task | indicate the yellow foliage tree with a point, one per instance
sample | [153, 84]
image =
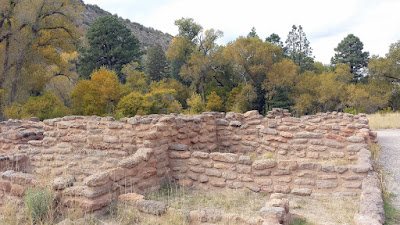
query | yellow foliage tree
[195, 104]
[97, 96]
[214, 103]
[136, 81]
[160, 100]
[44, 107]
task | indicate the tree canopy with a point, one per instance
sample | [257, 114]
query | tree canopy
[111, 44]
[298, 48]
[44, 75]
[350, 51]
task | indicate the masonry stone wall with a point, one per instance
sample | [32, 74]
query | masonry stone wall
[93, 160]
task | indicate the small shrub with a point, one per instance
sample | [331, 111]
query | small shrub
[375, 150]
[45, 106]
[387, 110]
[354, 111]
[298, 221]
[38, 204]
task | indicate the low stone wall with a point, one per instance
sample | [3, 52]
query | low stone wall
[94, 159]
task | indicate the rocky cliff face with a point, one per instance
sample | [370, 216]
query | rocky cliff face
[146, 35]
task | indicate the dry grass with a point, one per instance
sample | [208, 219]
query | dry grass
[241, 202]
[325, 210]
[13, 214]
[384, 121]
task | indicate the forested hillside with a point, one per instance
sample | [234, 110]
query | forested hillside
[146, 35]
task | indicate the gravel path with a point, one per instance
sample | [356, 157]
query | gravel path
[389, 158]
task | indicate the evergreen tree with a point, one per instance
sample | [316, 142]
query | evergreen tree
[274, 39]
[156, 63]
[350, 51]
[298, 49]
[111, 45]
[253, 33]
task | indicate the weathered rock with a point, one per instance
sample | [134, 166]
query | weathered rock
[97, 179]
[264, 164]
[205, 215]
[326, 184]
[93, 204]
[229, 175]
[334, 144]
[269, 131]
[179, 154]
[179, 147]
[301, 191]
[243, 159]
[213, 172]
[152, 207]
[277, 213]
[356, 147]
[283, 203]
[301, 181]
[263, 181]
[287, 164]
[222, 122]
[130, 198]
[235, 123]
[285, 189]
[92, 192]
[224, 157]
[308, 135]
[355, 139]
[371, 203]
[21, 178]
[60, 183]
[142, 154]
[111, 139]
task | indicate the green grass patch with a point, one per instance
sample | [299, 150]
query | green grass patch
[392, 214]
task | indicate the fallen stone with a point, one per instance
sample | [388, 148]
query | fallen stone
[130, 198]
[151, 207]
[205, 215]
[6, 175]
[60, 183]
[21, 178]
[273, 213]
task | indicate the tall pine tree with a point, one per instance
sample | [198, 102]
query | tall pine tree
[298, 49]
[156, 63]
[111, 45]
[350, 51]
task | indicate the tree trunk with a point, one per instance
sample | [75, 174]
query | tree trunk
[18, 68]
[3, 76]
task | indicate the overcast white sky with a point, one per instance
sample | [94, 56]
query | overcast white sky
[326, 23]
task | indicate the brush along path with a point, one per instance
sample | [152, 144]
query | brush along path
[389, 159]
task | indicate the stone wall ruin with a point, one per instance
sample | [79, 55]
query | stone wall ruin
[93, 160]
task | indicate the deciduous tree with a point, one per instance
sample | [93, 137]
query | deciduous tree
[97, 96]
[33, 35]
[214, 103]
